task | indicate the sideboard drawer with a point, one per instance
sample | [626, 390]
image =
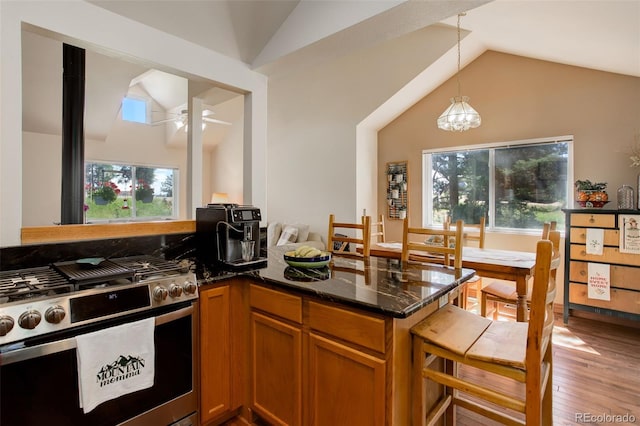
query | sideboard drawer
[611, 236]
[620, 276]
[621, 299]
[593, 220]
[610, 255]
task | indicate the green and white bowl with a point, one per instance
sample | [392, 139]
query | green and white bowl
[307, 262]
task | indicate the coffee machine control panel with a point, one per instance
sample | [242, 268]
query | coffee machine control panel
[245, 214]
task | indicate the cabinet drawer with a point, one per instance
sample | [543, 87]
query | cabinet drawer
[284, 305]
[609, 255]
[593, 220]
[363, 330]
[621, 300]
[611, 236]
[620, 276]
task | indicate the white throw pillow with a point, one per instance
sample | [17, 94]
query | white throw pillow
[289, 235]
[274, 229]
[303, 231]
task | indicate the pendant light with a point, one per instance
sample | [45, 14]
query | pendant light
[459, 116]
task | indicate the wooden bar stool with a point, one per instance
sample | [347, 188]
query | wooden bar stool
[514, 350]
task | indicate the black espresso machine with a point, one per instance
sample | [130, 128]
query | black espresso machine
[228, 236]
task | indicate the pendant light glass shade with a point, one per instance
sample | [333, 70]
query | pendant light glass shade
[460, 116]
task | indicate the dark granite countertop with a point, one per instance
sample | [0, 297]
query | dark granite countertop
[383, 285]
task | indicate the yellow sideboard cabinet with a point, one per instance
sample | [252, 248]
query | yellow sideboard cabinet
[602, 261]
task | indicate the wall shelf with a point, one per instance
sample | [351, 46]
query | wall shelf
[397, 190]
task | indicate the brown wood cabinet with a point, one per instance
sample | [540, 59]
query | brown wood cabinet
[215, 359]
[222, 351]
[344, 381]
[623, 267]
[276, 355]
[346, 386]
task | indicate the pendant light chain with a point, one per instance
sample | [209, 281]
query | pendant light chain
[458, 73]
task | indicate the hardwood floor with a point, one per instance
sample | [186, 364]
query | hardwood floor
[596, 372]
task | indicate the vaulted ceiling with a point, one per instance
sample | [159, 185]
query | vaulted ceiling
[275, 36]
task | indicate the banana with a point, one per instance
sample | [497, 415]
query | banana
[314, 252]
[302, 251]
[307, 251]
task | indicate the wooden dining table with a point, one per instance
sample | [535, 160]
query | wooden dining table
[511, 265]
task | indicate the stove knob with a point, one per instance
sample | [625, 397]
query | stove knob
[54, 314]
[29, 319]
[160, 293]
[6, 324]
[189, 287]
[175, 290]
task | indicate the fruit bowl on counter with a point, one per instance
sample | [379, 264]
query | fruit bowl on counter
[307, 257]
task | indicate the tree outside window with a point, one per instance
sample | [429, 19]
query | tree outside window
[132, 192]
[514, 186]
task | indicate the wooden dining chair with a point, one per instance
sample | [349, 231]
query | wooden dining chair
[514, 350]
[339, 243]
[473, 234]
[504, 292]
[377, 230]
[433, 245]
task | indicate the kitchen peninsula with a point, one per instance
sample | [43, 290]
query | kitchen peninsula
[317, 346]
[291, 346]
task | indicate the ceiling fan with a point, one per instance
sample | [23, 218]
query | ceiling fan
[181, 119]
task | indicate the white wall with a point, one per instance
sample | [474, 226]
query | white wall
[41, 182]
[224, 158]
[313, 114]
[81, 23]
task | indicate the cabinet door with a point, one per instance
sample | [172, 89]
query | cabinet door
[347, 387]
[276, 357]
[215, 360]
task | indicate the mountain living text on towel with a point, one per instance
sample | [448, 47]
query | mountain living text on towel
[115, 362]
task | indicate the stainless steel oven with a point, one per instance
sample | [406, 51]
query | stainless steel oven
[38, 360]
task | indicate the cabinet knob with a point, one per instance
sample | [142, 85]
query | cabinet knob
[583, 272]
[592, 219]
[583, 252]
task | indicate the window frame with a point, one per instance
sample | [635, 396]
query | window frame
[427, 182]
[175, 210]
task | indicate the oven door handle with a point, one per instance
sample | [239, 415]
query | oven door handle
[23, 354]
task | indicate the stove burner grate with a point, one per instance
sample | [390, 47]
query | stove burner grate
[31, 283]
[149, 267]
[82, 275]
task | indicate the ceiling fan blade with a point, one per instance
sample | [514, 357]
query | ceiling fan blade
[213, 120]
[166, 120]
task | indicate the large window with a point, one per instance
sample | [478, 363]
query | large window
[123, 192]
[516, 185]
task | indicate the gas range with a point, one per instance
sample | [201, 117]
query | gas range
[38, 301]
